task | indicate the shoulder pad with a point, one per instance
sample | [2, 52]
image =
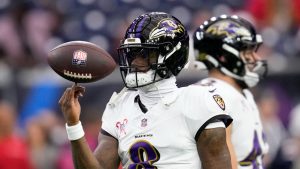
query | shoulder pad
[116, 97]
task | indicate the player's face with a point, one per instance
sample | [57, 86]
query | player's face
[141, 64]
[250, 57]
[142, 60]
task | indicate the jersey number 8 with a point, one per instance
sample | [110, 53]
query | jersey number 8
[143, 154]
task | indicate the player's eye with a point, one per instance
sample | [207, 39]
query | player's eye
[132, 53]
[146, 53]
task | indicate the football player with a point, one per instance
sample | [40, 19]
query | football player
[154, 124]
[227, 46]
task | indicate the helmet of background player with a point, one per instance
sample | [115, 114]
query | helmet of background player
[162, 40]
[219, 43]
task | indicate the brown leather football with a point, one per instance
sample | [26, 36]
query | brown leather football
[81, 61]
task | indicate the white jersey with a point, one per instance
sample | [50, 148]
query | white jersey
[247, 133]
[165, 136]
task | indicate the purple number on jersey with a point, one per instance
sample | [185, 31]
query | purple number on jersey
[254, 154]
[143, 154]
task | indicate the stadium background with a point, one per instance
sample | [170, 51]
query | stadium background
[28, 87]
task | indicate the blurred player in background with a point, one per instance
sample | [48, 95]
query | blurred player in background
[227, 45]
[154, 124]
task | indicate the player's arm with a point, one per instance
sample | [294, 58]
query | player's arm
[107, 151]
[83, 157]
[105, 155]
[234, 162]
[213, 150]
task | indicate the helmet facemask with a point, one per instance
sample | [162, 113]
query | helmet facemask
[254, 70]
[149, 68]
[136, 63]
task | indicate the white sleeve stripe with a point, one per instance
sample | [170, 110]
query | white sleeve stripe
[226, 119]
[215, 125]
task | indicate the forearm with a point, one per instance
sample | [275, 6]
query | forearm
[83, 157]
[219, 160]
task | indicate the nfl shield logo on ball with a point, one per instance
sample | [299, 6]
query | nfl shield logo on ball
[79, 58]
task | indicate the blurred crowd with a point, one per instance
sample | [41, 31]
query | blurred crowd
[32, 133]
[29, 28]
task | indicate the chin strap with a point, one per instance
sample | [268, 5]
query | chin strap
[251, 79]
[138, 79]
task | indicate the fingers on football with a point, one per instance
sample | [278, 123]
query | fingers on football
[70, 94]
[78, 91]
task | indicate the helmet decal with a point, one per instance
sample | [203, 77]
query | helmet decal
[228, 29]
[166, 28]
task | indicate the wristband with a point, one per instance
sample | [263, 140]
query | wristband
[75, 132]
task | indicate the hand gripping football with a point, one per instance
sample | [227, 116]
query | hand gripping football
[81, 61]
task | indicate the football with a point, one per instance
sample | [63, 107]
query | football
[81, 61]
